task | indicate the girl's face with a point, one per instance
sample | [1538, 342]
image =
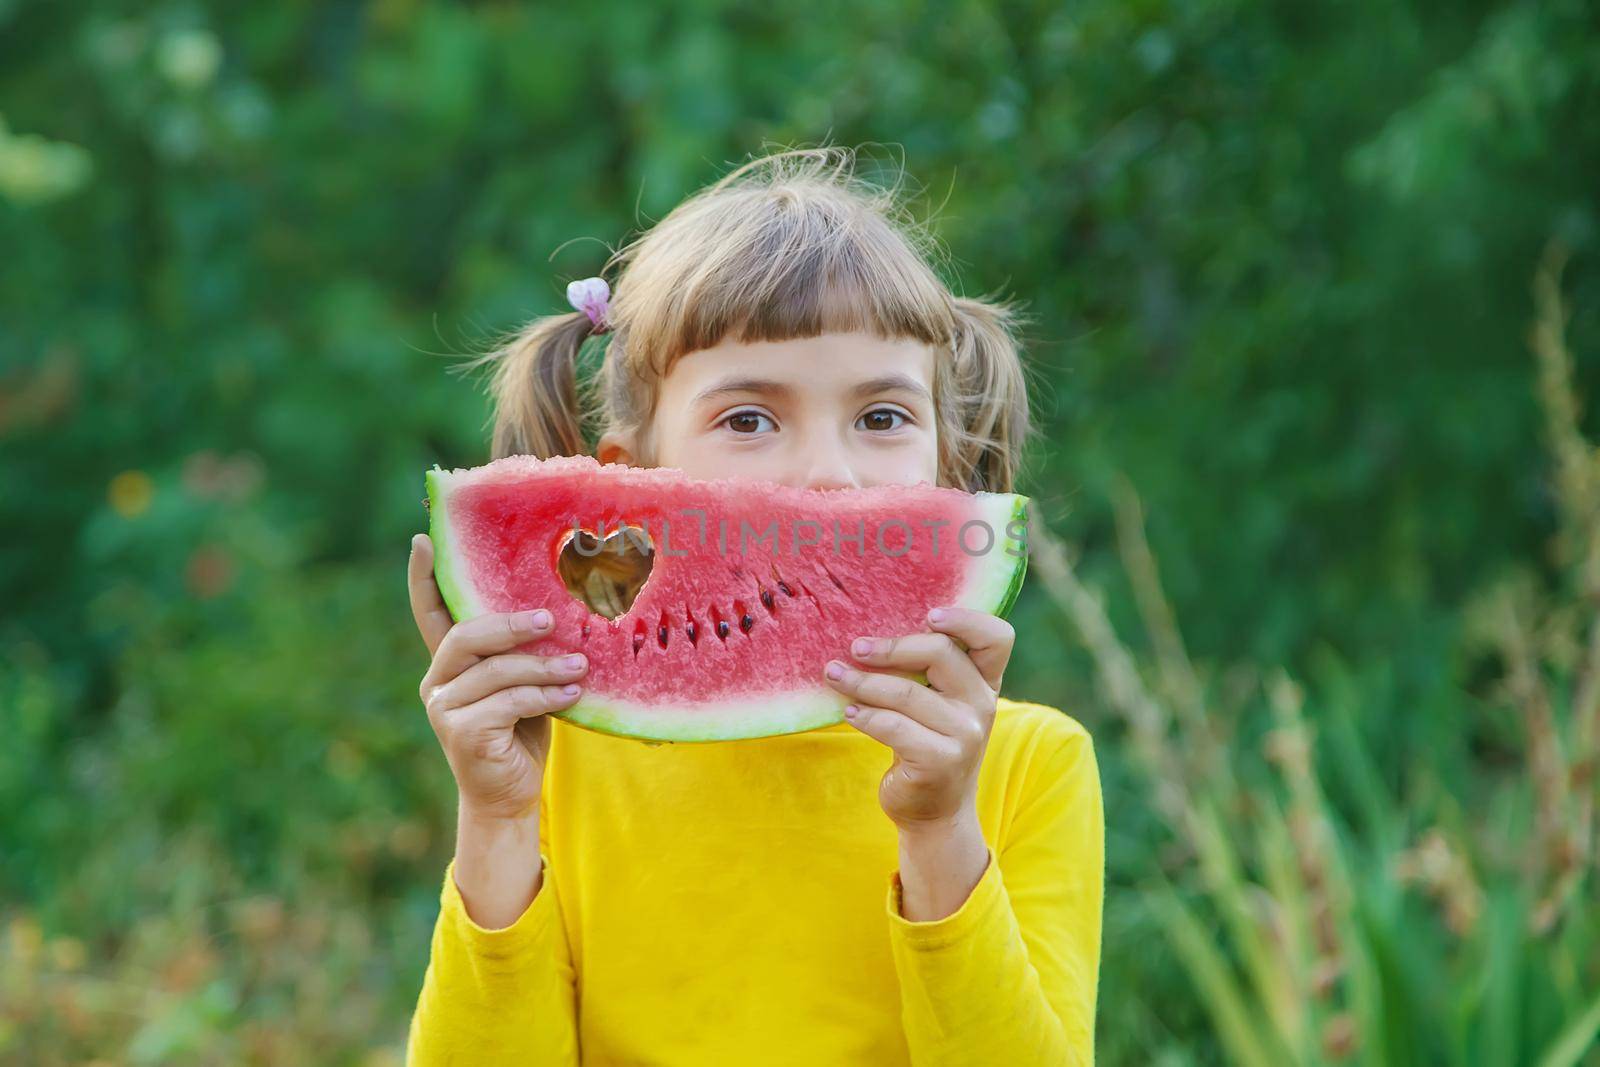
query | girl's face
[843, 410]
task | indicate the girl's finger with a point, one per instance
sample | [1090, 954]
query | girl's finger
[913, 742]
[949, 668]
[506, 670]
[427, 605]
[468, 642]
[900, 694]
[988, 638]
[507, 707]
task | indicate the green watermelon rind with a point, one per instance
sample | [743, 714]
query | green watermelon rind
[453, 586]
[1019, 513]
[991, 587]
[791, 713]
[996, 578]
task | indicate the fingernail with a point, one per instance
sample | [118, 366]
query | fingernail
[570, 690]
[936, 615]
[534, 620]
[573, 661]
[861, 646]
[835, 670]
[850, 711]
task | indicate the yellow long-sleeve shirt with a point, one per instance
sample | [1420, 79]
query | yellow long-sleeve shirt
[738, 903]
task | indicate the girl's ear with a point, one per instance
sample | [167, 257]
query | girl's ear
[615, 448]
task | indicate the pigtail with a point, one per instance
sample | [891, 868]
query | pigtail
[537, 408]
[985, 399]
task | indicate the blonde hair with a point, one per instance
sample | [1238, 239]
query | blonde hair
[787, 246]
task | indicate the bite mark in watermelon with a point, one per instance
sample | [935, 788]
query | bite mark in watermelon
[728, 636]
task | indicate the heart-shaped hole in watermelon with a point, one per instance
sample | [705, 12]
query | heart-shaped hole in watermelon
[606, 573]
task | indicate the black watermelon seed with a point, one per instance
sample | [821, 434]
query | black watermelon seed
[692, 631]
[745, 622]
[783, 587]
[766, 599]
[723, 627]
[661, 635]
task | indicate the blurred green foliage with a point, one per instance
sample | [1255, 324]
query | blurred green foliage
[1280, 258]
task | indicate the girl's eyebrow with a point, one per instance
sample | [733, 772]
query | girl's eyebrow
[890, 383]
[766, 386]
[769, 387]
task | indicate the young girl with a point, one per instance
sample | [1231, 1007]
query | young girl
[919, 884]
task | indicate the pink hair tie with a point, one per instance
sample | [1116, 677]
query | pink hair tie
[592, 296]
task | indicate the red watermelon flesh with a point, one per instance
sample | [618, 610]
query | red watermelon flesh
[753, 586]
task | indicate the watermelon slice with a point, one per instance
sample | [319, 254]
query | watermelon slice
[752, 587]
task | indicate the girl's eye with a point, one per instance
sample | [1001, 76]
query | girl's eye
[882, 419]
[746, 422]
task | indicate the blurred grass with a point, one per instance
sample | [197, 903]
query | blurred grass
[1320, 573]
[243, 866]
[1455, 921]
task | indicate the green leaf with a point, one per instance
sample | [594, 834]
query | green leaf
[1236, 1018]
[1579, 1037]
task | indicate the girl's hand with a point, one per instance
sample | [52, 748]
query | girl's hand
[488, 703]
[938, 731]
